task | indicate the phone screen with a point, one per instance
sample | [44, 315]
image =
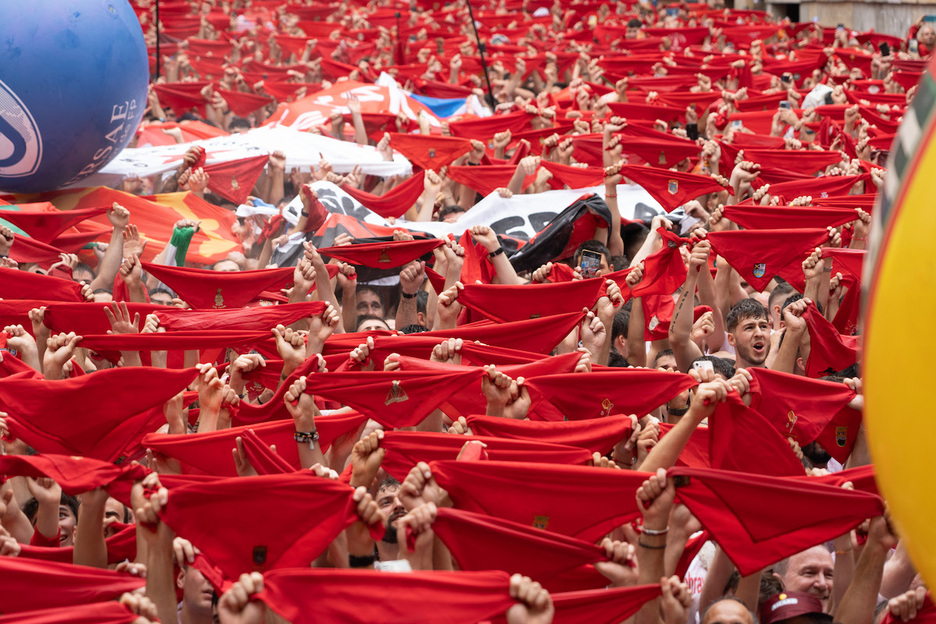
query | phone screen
[591, 263]
[736, 123]
[784, 104]
[885, 49]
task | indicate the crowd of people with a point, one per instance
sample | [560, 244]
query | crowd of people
[656, 421]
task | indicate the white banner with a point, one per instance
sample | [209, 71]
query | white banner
[303, 150]
[521, 216]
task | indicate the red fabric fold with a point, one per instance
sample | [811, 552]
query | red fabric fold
[382, 255]
[571, 500]
[28, 583]
[481, 542]
[234, 180]
[262, 457]
[120, 547]
[826, 186]
[394, 399]
[539, 335]
[486, 179]
[210, 453]
[503, 303]
[241, 103]
[768, 217]
[671, 188]
[352, 596]
[742, 440]
[95, 613]
[583, 396]
[829, 351]
[76, 475]
[807, 161]
[429, 151]
[759, 520]
[219, 289]
[758, 255]
[202, 512]
[239, 319]
[573, 177]
[407, 448]
[602, 606]
[484, 128]
[597, 435]
[664, 270]
[43, 221]
[102, 416]
[395, 202]
[807, 410]
[16, 284]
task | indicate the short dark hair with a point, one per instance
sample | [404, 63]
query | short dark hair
[447, 210]
[592, 245]
[743, 310]
[662, 354]
[619, 263]
[783, 289]
[619, 325]
[413, 329]
[239, 122]
[31, 507]
[368, 317]
[634, 23]
[721, 366]
[616, 360]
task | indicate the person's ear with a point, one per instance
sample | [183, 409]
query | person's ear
[731, 339]
[180, 579]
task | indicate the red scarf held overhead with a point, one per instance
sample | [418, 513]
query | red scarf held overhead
[219, 289]
[826, 186]
[382, 255]
[664, 270]
[571, 500]
[671, 188]
[96, 613]
[260, 318]
[102, 416]
[235, 179]
[16, 284]
[602, 606]
[89, 318]
[759, 520]
[926, 615]
[407, 448]
[808, 161]
[742, 440]
[76, 475]
[477, 265]
[394, 399]
[807, 410]
[482, 129]
[758, 255]
[43, 222]
[241, 103]
[503, 303]
[120, 547]
[573, 177]
[596, 436]
[430, 151]
[696, 452]
[486, 179]
[605, 392]
[210, 453]
[481, 542]
[539, 335]
[829, 351]
[395, 202]
[202, 512]
[768, 217]
[262, 457]
[311, 596]
[28, 583]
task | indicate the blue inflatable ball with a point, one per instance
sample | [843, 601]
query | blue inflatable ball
[73, 78]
